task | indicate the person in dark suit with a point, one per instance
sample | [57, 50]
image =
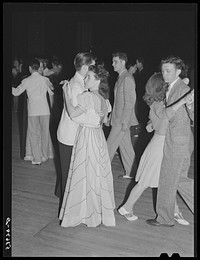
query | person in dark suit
[55, 78]
[140, 74]
[140, 138]
[177, 146]
[22, 113]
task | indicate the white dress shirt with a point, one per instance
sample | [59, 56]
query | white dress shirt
[36, 87]
[67, 128]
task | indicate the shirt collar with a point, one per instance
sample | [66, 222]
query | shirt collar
[122, 72]
[172, 84]
[35, 73]
[80, 78]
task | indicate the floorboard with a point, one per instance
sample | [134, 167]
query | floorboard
[36, 230]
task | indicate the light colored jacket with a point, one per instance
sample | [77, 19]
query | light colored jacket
[124, 101]
[36, 87]
[178, 135]
[67, 128]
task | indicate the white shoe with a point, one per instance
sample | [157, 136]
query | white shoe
[126, 214]
[43, 159]
[179, 218]
[28, 158]
[127, 177]
[36, 163]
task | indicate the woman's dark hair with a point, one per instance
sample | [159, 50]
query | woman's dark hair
[155, 89]
[101, 74]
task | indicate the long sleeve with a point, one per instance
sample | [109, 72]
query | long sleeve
[75, 92]
[162, 112]
[19, 90]
[129, 99]
[190, 111]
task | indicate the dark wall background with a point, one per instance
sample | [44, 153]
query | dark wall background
[149, 30]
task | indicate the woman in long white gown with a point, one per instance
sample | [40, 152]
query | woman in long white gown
[89, 193]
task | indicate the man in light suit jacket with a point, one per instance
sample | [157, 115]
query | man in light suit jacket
[177, 147]
[67, 128]
[123, 114]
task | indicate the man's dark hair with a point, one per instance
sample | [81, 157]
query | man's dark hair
[121, 55]
[34, 64]
[141, 60]
[178, 63]
[83, 58]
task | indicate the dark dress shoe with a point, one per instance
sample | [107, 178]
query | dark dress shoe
[154, 222]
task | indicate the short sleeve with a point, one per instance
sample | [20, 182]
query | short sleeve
[86, 103]
[85, 100]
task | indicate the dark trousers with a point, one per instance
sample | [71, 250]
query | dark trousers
[65, 152]
[135, 133]
[22, 115]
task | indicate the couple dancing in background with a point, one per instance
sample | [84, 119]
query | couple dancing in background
[163, 118]
[35, 103]
[38, 135]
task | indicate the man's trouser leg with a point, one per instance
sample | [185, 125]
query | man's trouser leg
[127, 152]
[186, 186]
[170, 173]
[33, 135]
[122, 139]
[65, 159]
[114, 139]
[45, 135]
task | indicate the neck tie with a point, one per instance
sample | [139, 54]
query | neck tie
[166, 90]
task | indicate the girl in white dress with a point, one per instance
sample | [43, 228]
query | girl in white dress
[89, 193]
[148, 171]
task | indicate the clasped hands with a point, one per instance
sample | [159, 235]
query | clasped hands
[65, 81]
[65, 88]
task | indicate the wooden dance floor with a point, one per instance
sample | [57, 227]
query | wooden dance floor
[36, 230]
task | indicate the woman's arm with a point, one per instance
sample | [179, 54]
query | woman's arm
[72, 111]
